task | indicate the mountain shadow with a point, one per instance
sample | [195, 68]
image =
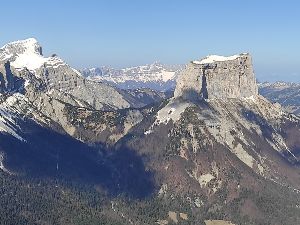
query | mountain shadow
[47, 154]
[267, 132]
[253, 117]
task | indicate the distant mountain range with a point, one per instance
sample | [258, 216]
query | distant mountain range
[154, 76]
[285, 93]
[76, 151]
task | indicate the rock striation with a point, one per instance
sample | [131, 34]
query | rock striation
[6, 78]
[218, 77]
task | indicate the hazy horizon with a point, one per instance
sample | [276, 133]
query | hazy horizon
[123, 33]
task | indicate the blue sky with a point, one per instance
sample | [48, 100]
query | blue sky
[133, 32]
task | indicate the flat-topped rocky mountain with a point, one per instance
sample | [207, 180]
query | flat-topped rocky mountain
[217, 77]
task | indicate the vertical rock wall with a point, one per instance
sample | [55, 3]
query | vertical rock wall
[217, 77]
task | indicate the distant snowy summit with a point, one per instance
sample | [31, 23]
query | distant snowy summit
[285, 93]
[28, 54]
[155, 76]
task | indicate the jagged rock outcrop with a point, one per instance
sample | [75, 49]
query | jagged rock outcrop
[10, 79]
[218, 77]
[6, 78]
[54, 76]
[51, 89]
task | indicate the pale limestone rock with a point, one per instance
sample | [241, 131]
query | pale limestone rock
[218, 77]
[217, 222]
[183, 216]
[173, 216]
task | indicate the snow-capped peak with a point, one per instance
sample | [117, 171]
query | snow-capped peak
[29, 45]
[24, 53]
[27, 54]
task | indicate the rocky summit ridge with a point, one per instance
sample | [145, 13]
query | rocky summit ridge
[53, 76]
[218, 77]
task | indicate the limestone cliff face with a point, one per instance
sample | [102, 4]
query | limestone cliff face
[9, 82]
[6, 78]
[217, 77]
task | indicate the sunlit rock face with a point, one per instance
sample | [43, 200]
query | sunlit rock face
[218, 77]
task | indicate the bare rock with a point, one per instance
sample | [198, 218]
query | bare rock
[218, 77]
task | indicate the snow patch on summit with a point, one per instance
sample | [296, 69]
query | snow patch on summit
[28, 54]
[29, 60]
[217, 58]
